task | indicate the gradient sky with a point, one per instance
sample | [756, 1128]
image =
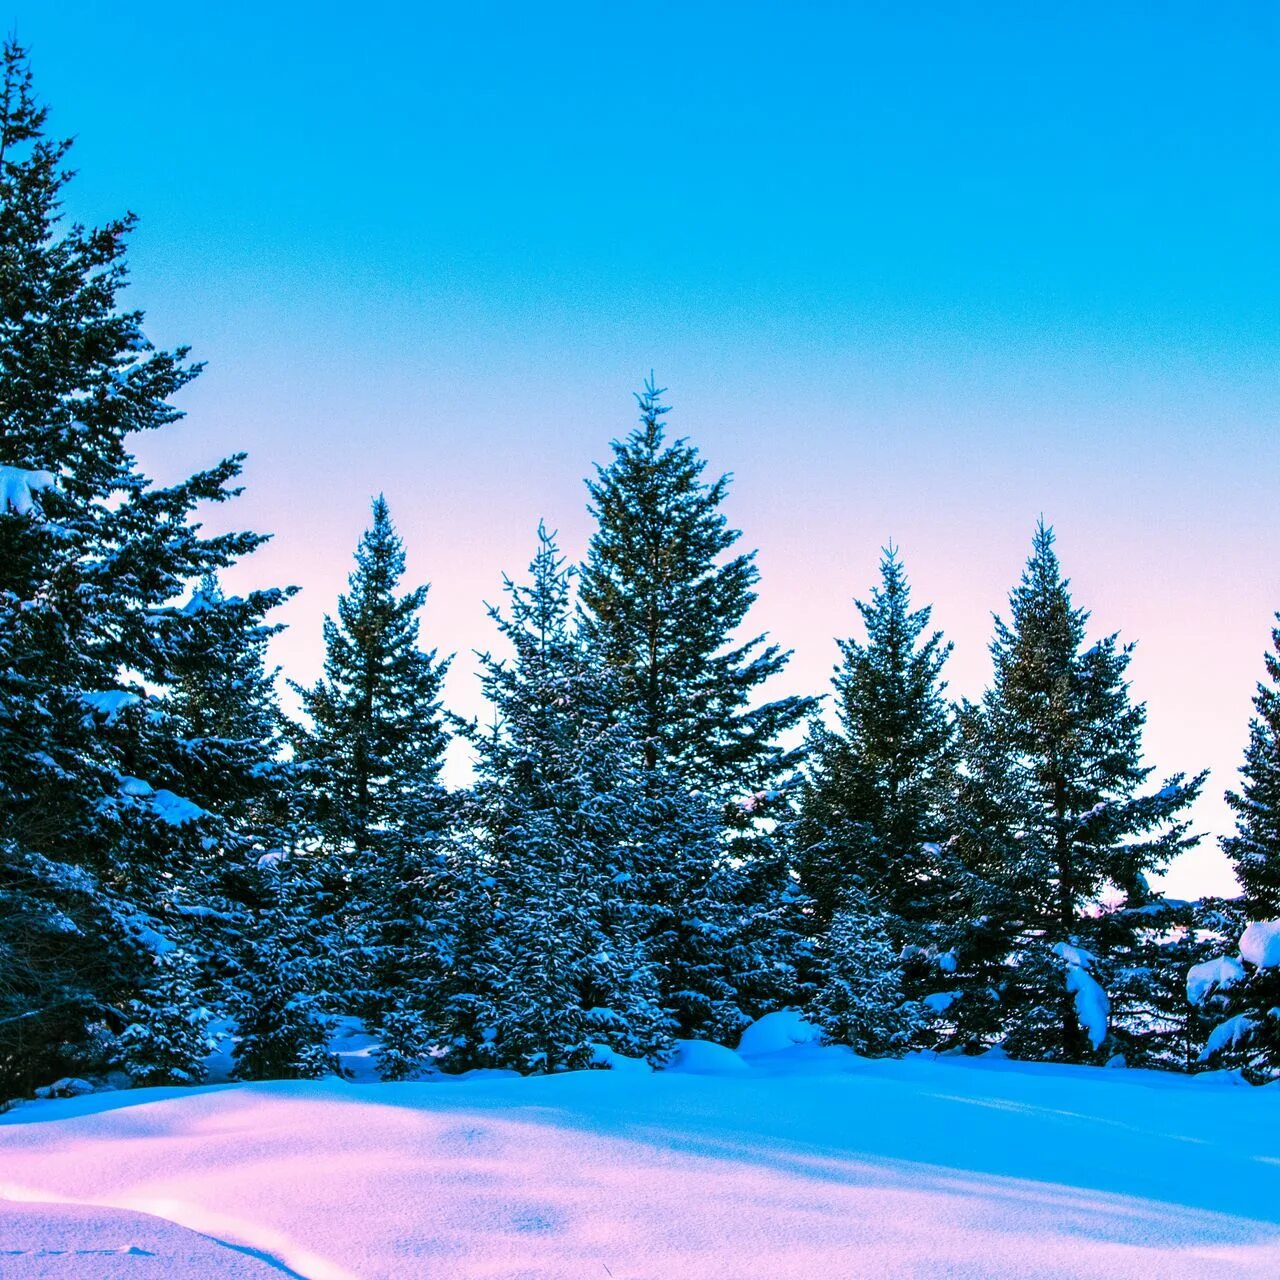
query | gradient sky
[919, 272]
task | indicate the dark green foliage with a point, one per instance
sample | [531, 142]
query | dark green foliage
[875, 788]
[556, 818]
[1049, 818]
[663, 606]
[369, 764]
[861, 1001]
[281, 999]
[97, 830]
[170, 1039]
[1255, 848]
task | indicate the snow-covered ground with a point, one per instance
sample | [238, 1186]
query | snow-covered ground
[801, 1163]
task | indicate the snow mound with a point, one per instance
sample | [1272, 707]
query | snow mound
[67, 1087]
[603, 1056]
[705, 1058]
[1213, 975]
[774, 1032]
[18, 488]
[1260, 944]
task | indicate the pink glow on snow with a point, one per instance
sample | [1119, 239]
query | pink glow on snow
[887, 1169]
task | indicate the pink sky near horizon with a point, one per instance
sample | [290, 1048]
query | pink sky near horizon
[821, 484]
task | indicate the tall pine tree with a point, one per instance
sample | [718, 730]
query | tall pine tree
[369, 763]
[556, 814]
[876, 785]
[1250, 1037]
[664, 607]
[1052, 822]
[1254, 850]
[98, 842]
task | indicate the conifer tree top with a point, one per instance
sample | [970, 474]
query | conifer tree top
[664, 598]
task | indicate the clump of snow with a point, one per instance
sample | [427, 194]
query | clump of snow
[135, 787]
[1260, 944]
[1076, 957]
[110, 703]
[705, 1058]
[1213, 975]
[1227, 1035]
[1093, 1008]
[67, 1087]
[941, 1001]
[603, 1056]
[783, 1029]
[176, 810]
[18, 488]
[947, 961]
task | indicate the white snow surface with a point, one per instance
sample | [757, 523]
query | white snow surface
[804, 1164]
[1213, 975]
[1260, 944]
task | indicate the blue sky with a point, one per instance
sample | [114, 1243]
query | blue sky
[921, 272]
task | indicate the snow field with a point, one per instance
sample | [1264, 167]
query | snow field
[796, 1162]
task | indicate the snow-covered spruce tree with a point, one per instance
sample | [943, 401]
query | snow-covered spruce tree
[170, 1039]
[663, 606]
[1254, 850]
[555, 816]
[1051, 823]
[280, 997]
[872, 812]
[861, 1000]
[664, 597]
[720, 930]
[223, 697]
[1248, 989]
[97, 838]
[368, 763]
[1151, 946]
[1250, 1036]
[223, 703]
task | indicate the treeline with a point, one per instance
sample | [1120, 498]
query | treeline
[651, 847]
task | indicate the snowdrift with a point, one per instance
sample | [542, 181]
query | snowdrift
[791, 1163]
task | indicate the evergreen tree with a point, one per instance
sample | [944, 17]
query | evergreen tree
[223, 699]
[1249, 1038]
[875, 791]
[664, 597]
[1255, 848]
[556, 816]
[280, 990]
[663, 607]
[1052, 825]
[170, 1040]
[94, 821]
[861, 1000]
[369, 764]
